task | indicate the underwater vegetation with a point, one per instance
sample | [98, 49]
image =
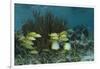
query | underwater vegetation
[49, 39]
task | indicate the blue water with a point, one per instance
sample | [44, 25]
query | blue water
[73, 15]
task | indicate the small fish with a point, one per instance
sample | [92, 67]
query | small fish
[63, 33]
[63, 36]
[30, 38]
[34, 52]
[67, 46]
[34, 34]
[37, 36]
[55, 45]
[54, 36]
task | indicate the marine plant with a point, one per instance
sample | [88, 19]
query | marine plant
[49, 39]
[44, 25]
